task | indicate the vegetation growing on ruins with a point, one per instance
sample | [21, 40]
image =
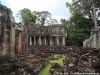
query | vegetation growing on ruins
[78, 28]
[45, 71]
[81, 21]
[60, 59]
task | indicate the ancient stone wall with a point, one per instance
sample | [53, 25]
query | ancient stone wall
[94, 40]
[13, 36]
[46, 35]
[6, 21]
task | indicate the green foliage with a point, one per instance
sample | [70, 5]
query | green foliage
[29, 18]
[78, 29]
[45, 71]
[59, 61]
[51, 21]
[35, 18]
[21, 12]
[84, 6]
[42, 17]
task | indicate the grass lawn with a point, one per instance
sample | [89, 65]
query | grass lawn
[59, 61]
[45, 71]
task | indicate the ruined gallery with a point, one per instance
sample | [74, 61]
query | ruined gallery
[27, 50]
[53, 35]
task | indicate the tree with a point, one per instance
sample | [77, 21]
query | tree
[21, 12]
[51, 21]
[84, 6]
[42, 17]
[35, 18]
[78, 29]
[90, 8]
[27, 17]
[63, 21]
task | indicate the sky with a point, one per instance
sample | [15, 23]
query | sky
[57, 8]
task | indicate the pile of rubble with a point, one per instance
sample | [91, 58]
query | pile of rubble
[22, 65]
[82, 60]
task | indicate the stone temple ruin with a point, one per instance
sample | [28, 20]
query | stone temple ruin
[46, 35]
[93, 41]
[21, 47]
[10, 33]
[15, 38]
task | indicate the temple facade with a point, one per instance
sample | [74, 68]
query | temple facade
[53, 35]
[15, 37]
[12, 35]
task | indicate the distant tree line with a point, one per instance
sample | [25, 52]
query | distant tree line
[41, 18]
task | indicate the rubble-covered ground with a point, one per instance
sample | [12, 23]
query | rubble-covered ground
[78, 60]
[54, 59]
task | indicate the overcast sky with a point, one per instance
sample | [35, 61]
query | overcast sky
[57, 8]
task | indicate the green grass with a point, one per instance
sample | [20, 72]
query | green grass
[59, 61]
[45, 71]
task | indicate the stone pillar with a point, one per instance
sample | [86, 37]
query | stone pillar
[30, 40]
[27, 44]
[63, 41]
[94, 40]
[51, 43]
[57, 41]
[90, 41]
[5, 46]
[90, 61]
[40, 43]
[45, 41]
[12, 40]
[34, 40]
[20, 43]
[99, 40]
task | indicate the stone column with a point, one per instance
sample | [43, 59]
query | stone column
[51, 43]
[27, 44]
[63, 41]
[90, 41]
[57, 41]
[20, 43]
[90, 61]
[12, 39]
[30, 40]
[40, 43]
[45, 41]
[5, 46]
[99, 40]
[34, 40]
[94, 40]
